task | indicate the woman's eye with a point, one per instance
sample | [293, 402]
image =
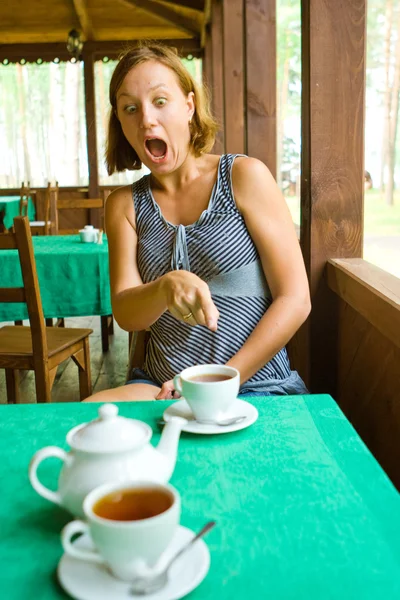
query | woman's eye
[130, 109]
[160, 101]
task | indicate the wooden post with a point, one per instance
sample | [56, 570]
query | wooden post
[333, 83]
[217, 85]
[233, 63]
[260, 32]
[90, 106]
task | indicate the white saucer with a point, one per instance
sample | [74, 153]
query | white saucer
[240, 407]
[85, 580]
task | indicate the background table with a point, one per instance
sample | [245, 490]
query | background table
[9, 206]
[73, 277]
[303, 509]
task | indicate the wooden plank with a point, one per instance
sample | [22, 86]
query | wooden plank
[185, 24]
[372, 292]
[261, 90]
[368, 384]
[84, 19]
[233, 65]
[66, 203]
[8, 241]
[12, 295]
[90, 112]
[217, 68]
[333, 84]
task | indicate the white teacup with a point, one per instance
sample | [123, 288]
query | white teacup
[89, 234]
[129, 545]
[210, 390]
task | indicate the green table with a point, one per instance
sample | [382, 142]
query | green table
[303, 509]
[9, 206]
[73, 277]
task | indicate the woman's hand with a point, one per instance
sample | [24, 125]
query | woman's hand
[167, 391]
[188, 299]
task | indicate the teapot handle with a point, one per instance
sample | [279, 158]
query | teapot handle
[37, 458]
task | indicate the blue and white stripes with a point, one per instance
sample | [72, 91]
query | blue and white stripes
[217, 247]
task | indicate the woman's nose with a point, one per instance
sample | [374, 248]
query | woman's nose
[148, 117]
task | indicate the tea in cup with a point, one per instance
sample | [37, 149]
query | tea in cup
[210, 390]
[130, 525]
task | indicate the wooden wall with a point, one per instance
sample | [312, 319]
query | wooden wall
[242, 77]
[332, 178]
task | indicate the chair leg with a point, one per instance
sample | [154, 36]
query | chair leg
[12, 385]
[104, 332]
[49, 323]
[82, 360]
[110, 325]
[42, 383]
[18, 322]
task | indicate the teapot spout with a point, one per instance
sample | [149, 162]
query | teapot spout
[168, 444]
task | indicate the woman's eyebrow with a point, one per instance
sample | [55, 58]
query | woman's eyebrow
[154, 87]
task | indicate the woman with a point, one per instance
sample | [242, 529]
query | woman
[203, 250]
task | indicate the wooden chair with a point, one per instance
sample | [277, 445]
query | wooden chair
[37, 227]
[106, 321]
[37, 348]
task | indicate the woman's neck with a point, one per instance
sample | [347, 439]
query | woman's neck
[189, 170]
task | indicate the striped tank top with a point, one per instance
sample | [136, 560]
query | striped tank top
[218, 249]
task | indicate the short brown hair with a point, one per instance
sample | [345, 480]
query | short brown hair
[119, 153]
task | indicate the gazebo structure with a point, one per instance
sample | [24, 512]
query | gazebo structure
[350, 345]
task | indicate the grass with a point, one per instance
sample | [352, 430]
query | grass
[381, 229]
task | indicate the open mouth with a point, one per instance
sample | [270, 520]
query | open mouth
[156, 147]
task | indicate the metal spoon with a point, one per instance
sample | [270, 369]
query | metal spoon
[141, 586]
[222, 422]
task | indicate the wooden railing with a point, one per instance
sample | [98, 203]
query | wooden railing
[368, 355]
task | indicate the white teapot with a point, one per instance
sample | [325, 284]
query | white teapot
[108, 449]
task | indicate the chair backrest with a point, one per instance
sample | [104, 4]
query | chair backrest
[78, 203]
[51, 209]
[29, 294]
[25, 195]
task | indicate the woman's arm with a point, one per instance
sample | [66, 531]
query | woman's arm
[270, 225]
[137, 305]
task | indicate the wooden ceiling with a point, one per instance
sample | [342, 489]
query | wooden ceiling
[49, 21]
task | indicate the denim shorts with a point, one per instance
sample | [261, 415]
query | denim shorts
[291, 386]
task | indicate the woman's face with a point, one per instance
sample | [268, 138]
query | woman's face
[154, 114]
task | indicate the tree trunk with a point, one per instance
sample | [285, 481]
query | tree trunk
[282, 110]
[394, 114]
[387, 95]
[22, 117]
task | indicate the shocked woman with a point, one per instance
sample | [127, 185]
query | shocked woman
[203, 251]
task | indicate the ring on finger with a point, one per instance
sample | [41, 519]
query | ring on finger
[188, 316]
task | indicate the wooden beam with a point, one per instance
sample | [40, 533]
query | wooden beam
[233, 64]
[112, 49]
[217, 69]
[261, 93]
[90, 111]
[332, 171]
[84, 19]
[206, 22]
[185, 24]
[194, 4]
[372, 292]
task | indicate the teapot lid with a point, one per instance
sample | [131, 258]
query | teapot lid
[109, 433]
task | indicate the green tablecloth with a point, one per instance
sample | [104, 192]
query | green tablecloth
[303, 509]
[10, 206]
[73, 277]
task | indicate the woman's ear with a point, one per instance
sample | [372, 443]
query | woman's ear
[191, 105]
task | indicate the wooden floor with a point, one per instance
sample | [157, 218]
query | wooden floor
[108, 369]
